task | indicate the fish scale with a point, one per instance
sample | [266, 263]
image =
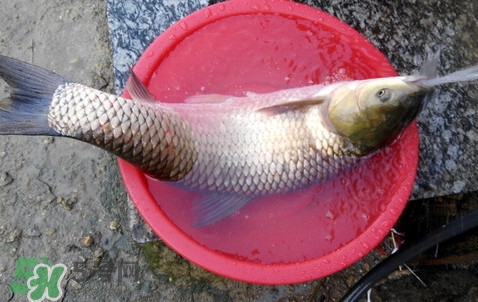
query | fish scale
[92, 116]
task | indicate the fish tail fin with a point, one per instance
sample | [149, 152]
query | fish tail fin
[429, 70]
[32, 90]
[469, 74]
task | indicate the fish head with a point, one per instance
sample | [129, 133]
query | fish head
[371, 113]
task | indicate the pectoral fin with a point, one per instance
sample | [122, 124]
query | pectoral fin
[290, 106]
[216, 206]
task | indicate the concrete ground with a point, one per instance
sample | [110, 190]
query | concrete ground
[64, 200]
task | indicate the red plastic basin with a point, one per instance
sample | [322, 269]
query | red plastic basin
[260, 46]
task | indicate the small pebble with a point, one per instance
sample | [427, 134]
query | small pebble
[74, 284]
[64, 203]
[32, 232]
[114, 225]
[351, 279]
[13, 251]
[14, 236]
[50, 232]
[38, 191]
[5, 179]
[99, 253]
[48, 141]
[87, 241]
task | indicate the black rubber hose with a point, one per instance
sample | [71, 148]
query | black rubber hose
[408, 251]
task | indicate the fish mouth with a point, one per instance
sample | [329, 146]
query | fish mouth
[420, 84]
[416, 80]
[417, 91]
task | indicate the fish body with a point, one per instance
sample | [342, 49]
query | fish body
[227, 147]
[233, 149]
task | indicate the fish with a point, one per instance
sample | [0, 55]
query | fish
[233, 149]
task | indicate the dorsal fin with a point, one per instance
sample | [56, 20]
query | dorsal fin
[290, 106]
[137, 90]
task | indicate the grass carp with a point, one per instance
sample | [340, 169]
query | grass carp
[233, 149]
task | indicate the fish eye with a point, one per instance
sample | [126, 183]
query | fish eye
[384, 95]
